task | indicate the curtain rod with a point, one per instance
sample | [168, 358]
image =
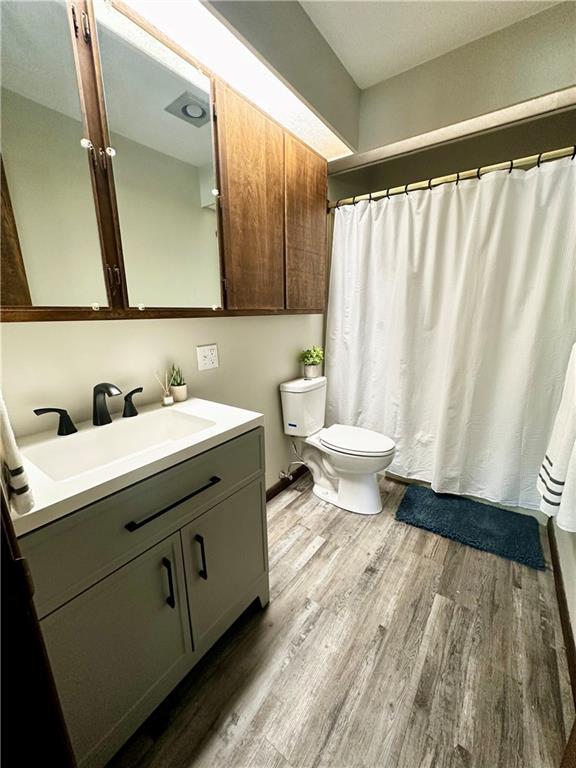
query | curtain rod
[554, 154]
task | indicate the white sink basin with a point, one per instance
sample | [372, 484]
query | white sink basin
[68, 473]
[62, 458]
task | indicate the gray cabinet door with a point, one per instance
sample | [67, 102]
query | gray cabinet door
[225, 558]
[75, 552]
[119, 648]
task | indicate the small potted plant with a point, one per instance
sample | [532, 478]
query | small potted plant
[178, 386]
[312, 360]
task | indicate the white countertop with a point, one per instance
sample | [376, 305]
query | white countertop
[56, 498]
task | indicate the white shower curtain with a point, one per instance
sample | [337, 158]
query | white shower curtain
[451, 317]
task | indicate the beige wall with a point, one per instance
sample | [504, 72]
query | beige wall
[567, 552]
[169, 241]
[534, 57]
[49, 182]
[57, 364]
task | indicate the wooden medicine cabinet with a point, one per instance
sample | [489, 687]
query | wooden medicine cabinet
[137, 185]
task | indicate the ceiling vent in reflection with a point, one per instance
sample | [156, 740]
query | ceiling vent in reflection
[192, 107]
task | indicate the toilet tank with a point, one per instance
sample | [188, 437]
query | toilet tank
[303, 405]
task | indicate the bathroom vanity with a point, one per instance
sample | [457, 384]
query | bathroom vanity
[140, 564]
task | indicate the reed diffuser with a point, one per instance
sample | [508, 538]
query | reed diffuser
[167, 398]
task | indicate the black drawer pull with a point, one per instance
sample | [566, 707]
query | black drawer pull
[133, 525]
[203, 572]
[171, 599]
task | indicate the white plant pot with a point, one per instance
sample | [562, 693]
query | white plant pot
[179, 393]
[312, 371]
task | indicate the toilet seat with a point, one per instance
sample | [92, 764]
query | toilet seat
[356, 441]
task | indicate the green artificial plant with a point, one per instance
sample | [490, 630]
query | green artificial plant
[312, 356]
[176, 376]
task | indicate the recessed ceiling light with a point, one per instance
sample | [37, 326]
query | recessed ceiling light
[193, 110]
[191, 106]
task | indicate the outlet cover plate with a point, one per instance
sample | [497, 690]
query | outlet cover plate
[207, 355]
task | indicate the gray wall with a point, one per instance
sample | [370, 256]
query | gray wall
[534, 57]
[519, 140]
[283, 35]
[57, 364]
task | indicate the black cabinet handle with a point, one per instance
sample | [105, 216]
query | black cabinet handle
[171, 600]
[133, 525]
[203, 572]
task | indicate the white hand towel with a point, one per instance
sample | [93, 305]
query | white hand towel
[13, 474]
[557, 478]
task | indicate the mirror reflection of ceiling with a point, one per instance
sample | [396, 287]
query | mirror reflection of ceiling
[36, 54]
[138, 88]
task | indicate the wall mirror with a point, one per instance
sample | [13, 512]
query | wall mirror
[51, 254]
[158, 108]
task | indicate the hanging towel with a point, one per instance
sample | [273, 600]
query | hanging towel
[557, 478]
[13, 474]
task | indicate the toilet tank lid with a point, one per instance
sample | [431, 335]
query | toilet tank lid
[303, 385]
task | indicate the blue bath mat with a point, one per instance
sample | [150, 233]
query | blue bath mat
[508, 534]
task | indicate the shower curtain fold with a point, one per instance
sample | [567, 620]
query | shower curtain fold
[451, 317]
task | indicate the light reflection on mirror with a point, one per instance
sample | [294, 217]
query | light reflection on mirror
[158, 108]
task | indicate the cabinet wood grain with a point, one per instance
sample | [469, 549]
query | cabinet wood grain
[305, 179]
[250, 154]
[15, 290]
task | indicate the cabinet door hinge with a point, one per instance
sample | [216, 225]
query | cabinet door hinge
[74, 21]
[86, 32]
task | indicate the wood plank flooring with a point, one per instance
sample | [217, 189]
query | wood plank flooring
[383, 646]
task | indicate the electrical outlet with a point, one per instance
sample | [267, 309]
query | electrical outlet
[207, 356]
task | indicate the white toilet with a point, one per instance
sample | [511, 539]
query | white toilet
[343, 460]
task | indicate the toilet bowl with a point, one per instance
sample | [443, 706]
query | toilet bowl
[343, 460]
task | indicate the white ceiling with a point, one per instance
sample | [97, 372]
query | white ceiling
[377, 40]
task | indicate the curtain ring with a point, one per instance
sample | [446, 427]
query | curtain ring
[388, 193]
[354, 200]
[458, 178]
[369, 197]
[511, 166]
[430, 184]
[573, 153]
[539, 160]
[337, 203]
[478, 173]
[406, 189]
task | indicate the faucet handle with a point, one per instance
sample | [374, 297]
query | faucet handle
[65, 424]
[129, 407]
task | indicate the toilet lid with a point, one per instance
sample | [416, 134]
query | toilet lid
[357, 441]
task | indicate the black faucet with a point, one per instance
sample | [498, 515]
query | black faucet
[65, 423]
[100, 414]
[129, 407]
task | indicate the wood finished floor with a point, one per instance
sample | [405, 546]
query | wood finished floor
[384, 646]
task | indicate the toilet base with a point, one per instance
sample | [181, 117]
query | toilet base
[356, 493]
